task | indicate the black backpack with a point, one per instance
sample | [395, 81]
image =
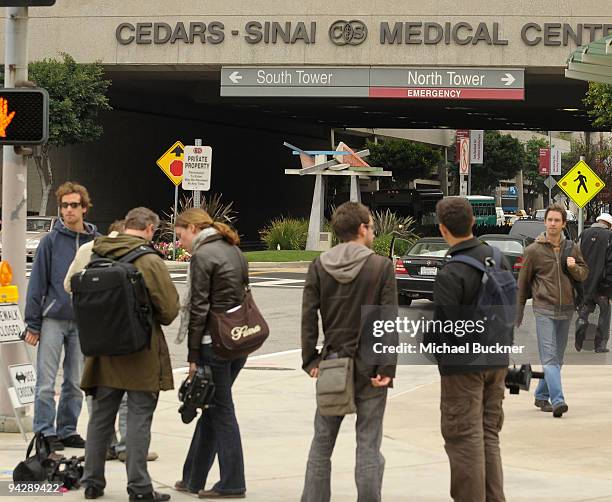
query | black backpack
[496, 301]
[112, 305]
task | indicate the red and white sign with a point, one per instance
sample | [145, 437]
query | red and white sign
[460, 134]
[464, 156]
[544, 162]
[446, 93]
[198, 168]
[476, 147]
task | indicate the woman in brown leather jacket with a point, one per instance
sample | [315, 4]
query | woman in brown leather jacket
[216, 281]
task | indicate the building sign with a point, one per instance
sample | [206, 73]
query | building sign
[23, 380]
[555, 161]
[544, 166]
[353, 32]
[459, 135]
[407, 82]
[464, 156]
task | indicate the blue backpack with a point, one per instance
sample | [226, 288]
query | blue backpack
[496, 302]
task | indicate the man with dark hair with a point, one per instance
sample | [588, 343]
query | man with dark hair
[338, 283]
[140, 374]
[50, 320]
[471, 396]
[596, 246]
[551, 265]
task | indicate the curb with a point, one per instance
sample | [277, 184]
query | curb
[176, 266]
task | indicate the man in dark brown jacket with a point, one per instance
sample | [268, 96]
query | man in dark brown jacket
[551, 265]
[338, 283]
[142, 374]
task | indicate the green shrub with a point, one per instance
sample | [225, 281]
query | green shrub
[382, 244]
[386, 222]
[288, 233]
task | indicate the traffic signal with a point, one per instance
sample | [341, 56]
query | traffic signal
[27, 3]
[24, 116]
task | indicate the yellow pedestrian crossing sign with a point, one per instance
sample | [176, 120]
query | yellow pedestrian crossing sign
[581, 183]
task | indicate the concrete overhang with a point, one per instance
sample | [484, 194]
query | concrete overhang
[592, 62]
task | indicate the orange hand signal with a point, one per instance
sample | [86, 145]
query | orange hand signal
[5, 117]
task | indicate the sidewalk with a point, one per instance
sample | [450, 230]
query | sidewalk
[545, 459]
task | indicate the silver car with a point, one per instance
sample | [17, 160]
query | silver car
[36, 228]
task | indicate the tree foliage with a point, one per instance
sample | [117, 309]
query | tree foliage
[599, 103]
[503, 157]
[77, 95]
[407, 159]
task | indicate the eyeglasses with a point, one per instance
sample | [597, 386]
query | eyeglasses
[73, 205]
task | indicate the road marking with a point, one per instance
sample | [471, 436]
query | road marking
[185, 369]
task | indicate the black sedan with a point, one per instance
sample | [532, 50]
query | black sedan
[417, 267]
[512, 247]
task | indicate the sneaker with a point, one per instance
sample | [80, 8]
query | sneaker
[74, 441]
[93, 492]
[179, 486]
[150, 497]
[54, 443]
[560, 409]
[212, 494]
[543, 405]
[111, 454]
[151, 456]
[601, 350]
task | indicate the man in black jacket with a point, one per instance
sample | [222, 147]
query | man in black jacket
[596, 247]
[471, 396]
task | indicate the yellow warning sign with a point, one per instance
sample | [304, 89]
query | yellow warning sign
[581, 183]
[171, 162]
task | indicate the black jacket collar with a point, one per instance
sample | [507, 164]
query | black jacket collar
[465, 245]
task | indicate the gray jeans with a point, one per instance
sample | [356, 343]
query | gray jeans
[118, 443]
[603, 322]
[370, 463]
[141, 406]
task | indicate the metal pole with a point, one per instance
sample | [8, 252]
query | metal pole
[14, 171]
[173, 222]
[197, 201]
[14, 186]
[469, 187]
[581, 212]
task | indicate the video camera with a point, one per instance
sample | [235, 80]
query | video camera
[196, 393]
[519, 379]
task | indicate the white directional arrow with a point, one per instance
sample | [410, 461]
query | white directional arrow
[509, 79]
[235, 77]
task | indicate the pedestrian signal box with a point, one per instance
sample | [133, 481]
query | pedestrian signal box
[27, 3]
[24, 116]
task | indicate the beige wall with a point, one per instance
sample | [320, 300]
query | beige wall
[86, 29]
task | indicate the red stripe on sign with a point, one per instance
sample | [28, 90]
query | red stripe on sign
[446, 93]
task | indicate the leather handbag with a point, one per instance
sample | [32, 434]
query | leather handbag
[241, 330]
[36, 467]
[336, 380]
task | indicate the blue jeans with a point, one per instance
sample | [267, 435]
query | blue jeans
[552, 340]
[56, 334]
[217, 433]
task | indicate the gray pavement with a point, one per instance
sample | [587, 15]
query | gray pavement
[545, 459]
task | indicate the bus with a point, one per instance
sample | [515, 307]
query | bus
[484, 209]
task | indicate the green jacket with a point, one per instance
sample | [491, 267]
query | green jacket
[148, 370]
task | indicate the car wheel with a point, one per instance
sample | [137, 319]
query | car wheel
[402, 300]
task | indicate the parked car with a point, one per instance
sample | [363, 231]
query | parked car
[36, 228]
[512, 247]
[417, 267]
[530, 229]
[539, 215]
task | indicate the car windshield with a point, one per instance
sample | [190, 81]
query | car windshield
[429, 249]
[506, 246]
[38, 225]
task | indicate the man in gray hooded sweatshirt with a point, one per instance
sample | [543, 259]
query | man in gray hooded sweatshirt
[338, 283]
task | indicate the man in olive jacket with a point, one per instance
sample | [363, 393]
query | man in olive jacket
[142, 374]
[338, 283]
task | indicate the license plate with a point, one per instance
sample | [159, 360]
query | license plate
[429, 270]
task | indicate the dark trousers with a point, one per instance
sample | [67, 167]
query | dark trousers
[370, 463]
[472, 417]
[217, 432]
[603, 322]
[140, 406]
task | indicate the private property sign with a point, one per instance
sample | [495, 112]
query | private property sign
[411, 83]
